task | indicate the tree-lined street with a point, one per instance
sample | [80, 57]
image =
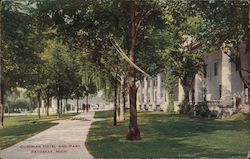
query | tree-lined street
[182, 57]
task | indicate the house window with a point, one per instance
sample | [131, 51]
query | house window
[220, 90]
[215, 68]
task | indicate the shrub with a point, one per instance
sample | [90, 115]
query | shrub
[18, 106]
[202, 109]
[170, 109]
[186, 108]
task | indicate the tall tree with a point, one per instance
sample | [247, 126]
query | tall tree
[17, 45]
[133, 131]
[57, 60]
[90, 26]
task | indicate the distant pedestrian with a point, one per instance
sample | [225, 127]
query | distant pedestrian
[87, 107]
[83, 107]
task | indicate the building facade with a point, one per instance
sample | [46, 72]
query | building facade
[151, 93]
[218, 83]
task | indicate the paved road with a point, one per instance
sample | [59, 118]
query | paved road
[63, 141]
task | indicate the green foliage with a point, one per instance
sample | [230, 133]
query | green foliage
[18, 43]
[186, 108]
[169, 83]
[239, 116]
[202, 109]
[19, 105]
[68, 41]
[229, 16]
[182, 58]
[61, 68]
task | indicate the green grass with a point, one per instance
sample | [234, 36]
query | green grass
[170, 136]
[18, 128]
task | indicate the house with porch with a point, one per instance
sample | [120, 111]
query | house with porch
[151, 93]
[218, 83]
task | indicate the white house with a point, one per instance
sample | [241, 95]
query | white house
[218, 83]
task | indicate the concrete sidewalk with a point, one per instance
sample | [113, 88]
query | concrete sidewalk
[63, 141]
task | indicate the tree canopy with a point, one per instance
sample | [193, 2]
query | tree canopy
[74, 48]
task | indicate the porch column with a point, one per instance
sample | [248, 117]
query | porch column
[145, 102]
[198, 90]
[139, 95]
[151, 91]
[159, 90]
[226, 84]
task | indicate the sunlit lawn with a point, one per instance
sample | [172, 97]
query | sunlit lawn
[170, 136]
[18, 128]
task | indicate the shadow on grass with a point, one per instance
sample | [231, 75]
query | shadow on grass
[170, 136]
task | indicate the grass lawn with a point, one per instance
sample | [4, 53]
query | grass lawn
[170, 136]
[18, 128]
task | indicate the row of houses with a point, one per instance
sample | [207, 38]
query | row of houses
[218, 83]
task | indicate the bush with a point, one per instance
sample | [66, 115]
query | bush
[18, 106]
[202, 109]
[170, 109]
[188, 109]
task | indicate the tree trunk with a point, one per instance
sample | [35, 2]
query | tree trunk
[186, 94]
[1, 103]
[248, 99]
[133, 131]
[47, 101]
[1, 78]
[248, 49]
[77, 107]
[115, 101]
[122, 99]
[58, 100]
[39, 103]
[248, 31]
[66, 104]
[61, 106]
[187, 84]
[87, 102]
